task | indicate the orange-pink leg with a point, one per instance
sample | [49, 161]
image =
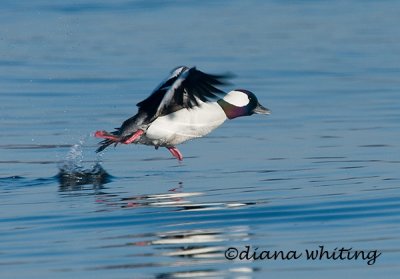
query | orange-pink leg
[134, 137]
[106, 135]
[176, 153]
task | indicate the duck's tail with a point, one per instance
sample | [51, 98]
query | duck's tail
[104, 144]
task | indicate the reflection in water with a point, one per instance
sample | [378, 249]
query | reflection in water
[188, 248]
[242, 273]
[187, 251]
[179, 201]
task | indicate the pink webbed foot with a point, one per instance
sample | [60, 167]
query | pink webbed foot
[134, 137]
[176, 153]
[106, 135]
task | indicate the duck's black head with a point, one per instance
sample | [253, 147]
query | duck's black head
[241, 102]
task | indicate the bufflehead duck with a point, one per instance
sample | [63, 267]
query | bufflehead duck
[180, 109]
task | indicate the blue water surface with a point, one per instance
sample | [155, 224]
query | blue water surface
[320, 172]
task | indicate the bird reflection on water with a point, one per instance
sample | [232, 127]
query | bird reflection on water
[188, 248]
[76, 179]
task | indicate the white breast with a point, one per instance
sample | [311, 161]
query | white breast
[185, 124]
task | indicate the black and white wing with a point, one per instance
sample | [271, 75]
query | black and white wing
[183, 89]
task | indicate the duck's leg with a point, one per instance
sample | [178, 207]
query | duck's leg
[175, 152]
[106, 135]
[134, 137]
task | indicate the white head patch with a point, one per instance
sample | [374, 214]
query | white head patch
[237, 98]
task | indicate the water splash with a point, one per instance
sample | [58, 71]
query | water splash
[74, 158]
[72, 171]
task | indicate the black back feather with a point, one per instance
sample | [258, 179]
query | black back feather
[183, 89]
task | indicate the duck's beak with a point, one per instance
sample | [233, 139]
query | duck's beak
[261, 110]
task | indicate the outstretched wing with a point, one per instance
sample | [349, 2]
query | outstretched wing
[183, 89]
